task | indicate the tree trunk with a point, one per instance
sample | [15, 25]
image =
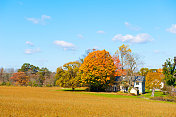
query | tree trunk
[153, 92]
[73, 89]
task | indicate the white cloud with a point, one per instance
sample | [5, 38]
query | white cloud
[172, 29]
[80, 36]
[29, 43]
[139, 38]
[39, 20]
[31, 51]
[132, 27]
[34, 20]
[65, 45]
[100, 32]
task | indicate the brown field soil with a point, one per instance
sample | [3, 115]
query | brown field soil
[48, 102]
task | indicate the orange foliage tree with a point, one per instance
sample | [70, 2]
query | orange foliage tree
[97, 70]
[153, 80]
[20, 78]
[118, 66]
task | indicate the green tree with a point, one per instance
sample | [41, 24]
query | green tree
[42, 75]
[169, 72]
[67, 76]
[28, 68]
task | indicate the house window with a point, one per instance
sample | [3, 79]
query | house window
[137, 83]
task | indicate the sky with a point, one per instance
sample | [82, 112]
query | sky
[50, 33]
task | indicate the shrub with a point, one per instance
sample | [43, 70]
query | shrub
[8, 83]
[49, 85]
[3, 83]
[168, 98]
[169, 90]
[129, 89]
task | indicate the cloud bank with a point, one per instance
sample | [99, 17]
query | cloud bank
[139, 38]
[65, 45]
[172, 29]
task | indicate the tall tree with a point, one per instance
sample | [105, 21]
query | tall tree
[132, 63]
[98, 70]
[68, 75]
[28, 68]
[153, 80]
[42, 75]
[123, 51]
[169, 72]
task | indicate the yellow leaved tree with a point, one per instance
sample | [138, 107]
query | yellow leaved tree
[153, 80]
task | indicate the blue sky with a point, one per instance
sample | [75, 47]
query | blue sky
[49, 33]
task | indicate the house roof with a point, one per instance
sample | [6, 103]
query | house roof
[139, 78]
[126, 78]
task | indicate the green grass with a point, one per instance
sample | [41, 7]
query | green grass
[113, 95]
[149, 93]
[104, 94]
[109, 95]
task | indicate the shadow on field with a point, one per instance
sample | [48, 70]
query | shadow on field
[75, 90]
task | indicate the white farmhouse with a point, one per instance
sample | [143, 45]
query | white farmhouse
[139, 83]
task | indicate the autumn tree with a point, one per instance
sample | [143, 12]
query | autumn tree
[85, 54]
[67, 76]
[169, 72]
[118, 66]
[98, 70]
[129, 62]
[123, 52]
[143, 71]
[20, 78]
[153, 80]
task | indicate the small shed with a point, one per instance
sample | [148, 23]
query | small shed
[134, 91]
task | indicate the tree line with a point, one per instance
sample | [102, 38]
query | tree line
[28, 75]
[96, 70]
